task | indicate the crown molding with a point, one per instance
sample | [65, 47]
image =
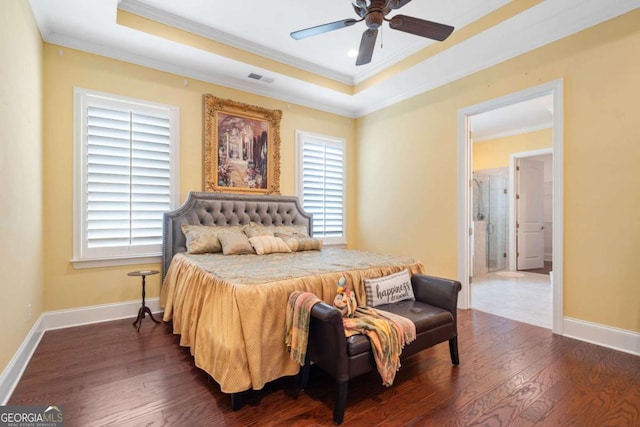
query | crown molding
[549, 21]
[150, 12]
[250, 86]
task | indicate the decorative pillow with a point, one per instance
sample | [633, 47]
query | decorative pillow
[254, 229]
[203, 239]
[299, 244]
[290, 230]
[302, 230]
[268, 244]
[392, 288]
[235, 243]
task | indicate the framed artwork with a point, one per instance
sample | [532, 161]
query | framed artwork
[241, 147]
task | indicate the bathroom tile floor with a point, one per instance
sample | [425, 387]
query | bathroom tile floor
[525, 297]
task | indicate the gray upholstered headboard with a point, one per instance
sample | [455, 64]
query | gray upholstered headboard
[222, 209]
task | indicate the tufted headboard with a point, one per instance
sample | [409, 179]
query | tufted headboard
[222, 209]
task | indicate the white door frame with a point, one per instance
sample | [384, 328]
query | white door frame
[465, 151]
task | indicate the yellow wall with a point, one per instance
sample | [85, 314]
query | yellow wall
[402, 167]
[495, 153]
[20, 175]
[66, 287]
[407, 167]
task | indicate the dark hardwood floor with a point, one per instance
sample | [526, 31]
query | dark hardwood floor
[511, 374]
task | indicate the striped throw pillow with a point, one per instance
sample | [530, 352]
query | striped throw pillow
[268, 245]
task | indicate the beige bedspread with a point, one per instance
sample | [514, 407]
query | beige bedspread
[230, 309]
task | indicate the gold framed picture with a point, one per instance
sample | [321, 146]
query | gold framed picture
[241, 147]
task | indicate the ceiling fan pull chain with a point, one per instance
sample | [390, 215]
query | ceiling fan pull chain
[381, 38]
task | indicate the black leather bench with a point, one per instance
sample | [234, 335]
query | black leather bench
[433, 312]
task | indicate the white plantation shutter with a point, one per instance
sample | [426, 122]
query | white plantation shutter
[321, 184]
[127, 176]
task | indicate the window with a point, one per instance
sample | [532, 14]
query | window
[321, 184]
[125, 177]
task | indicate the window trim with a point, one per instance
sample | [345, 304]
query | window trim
[300, 138]
[81, 99]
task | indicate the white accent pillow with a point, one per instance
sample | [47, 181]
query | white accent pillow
[387, 289]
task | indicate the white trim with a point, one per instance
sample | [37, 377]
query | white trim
[80, 264]
[557, 218]
[465, 150]
[605, 336]
[465, 154]
[60, 319]
[18, 363]
[518, 131]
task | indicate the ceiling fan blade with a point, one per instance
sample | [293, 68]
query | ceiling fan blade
[324, 28]
[421, 27]
[366, 46]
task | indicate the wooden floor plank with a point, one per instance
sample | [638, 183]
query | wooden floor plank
[510, 374]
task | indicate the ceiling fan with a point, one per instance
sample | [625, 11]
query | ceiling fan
[374, 13]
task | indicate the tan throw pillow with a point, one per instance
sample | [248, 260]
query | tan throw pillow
[289, 230]
[302, 230]
[202, 239]
[299, 244]
[268, 244]
[387, 289]
[254, 229]
[235, 243]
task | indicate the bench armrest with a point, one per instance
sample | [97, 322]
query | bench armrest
[327, 346]
[436, 291]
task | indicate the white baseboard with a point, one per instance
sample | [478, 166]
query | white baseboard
[95, 314]
[13, 372]
[605, 336]
[59, 319]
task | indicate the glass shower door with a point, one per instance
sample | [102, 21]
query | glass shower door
[497, 223]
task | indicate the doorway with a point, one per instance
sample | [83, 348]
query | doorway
[469, 228]
[514, 283]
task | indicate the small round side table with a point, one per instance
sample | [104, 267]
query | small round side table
[143, 309]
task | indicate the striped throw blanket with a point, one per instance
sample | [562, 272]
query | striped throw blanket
[297, 324]
[388, 334]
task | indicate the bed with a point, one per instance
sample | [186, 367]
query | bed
[230, 309]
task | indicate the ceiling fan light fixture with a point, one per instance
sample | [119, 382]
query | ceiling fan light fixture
[361, 3]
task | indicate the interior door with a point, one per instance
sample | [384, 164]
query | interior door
[530, 214]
